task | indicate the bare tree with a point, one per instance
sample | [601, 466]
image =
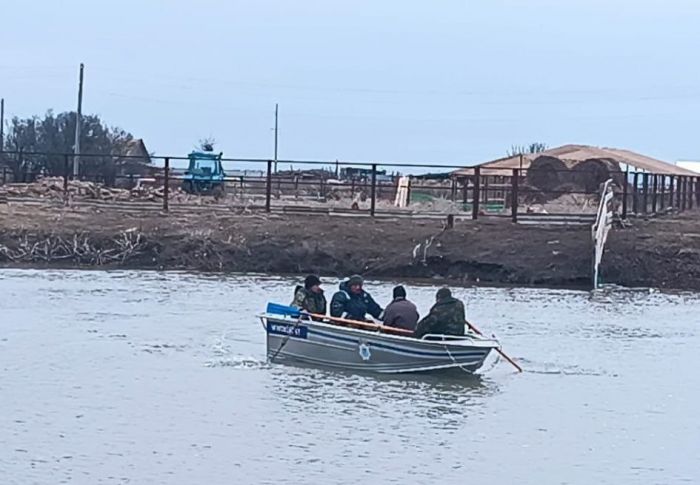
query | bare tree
[536, 147]
[207, 144]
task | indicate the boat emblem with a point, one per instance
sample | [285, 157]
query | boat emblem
[364, 351]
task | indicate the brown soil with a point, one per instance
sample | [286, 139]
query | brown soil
[658, 253]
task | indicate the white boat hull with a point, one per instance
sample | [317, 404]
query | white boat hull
[328, 345]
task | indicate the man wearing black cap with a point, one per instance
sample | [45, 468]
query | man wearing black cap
[310, 296]
[401, 313]
[352, 302]
[446, 317]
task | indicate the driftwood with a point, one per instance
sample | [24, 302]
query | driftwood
[53, 188]
[78, 249]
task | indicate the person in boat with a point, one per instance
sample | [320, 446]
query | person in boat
[446, 317]
[401, 313]
[310, 297]
[353, 302]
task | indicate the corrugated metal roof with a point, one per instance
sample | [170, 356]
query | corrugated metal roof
[579, 153]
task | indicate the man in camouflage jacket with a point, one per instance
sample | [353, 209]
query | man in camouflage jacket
[446, 317]
[310, 297]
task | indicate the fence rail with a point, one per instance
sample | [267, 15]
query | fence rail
[370, 187]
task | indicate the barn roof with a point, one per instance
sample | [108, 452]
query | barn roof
[579, 153]
[136, 152]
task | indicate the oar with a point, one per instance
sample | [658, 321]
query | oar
[476, 330]
[362, 324]
[284, 342]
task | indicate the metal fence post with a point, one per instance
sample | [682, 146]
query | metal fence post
[691, 181]
[268, 187]
[514, 195]
[663, 205]
[624, 196]
[486, 194]
[66, 173]
[475, 193]
[645, 196]
[635, 193]
[654, 195]
[678, 193]
[166, 184]
[373, 191]
[671, 182]
[682, 191]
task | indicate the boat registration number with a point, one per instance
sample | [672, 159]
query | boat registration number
[298, 331]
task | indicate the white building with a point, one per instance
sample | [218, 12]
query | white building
[689, 165]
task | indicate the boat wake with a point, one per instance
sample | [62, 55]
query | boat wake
[239, 363]
[489, 366]
[547, 368]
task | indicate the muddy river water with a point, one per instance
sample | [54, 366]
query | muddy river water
[160, 378]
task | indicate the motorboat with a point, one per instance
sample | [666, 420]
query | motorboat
[295, 336]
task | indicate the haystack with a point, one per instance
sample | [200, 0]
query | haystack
[547, 173]
[590, 173]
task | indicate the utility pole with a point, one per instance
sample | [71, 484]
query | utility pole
[78, 119]
[2, 124]
[276, 116]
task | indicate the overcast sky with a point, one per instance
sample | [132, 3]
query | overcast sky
[449, 82]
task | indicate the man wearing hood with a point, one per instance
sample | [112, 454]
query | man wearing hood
[310, 297]
[352, 302]
[446, 317]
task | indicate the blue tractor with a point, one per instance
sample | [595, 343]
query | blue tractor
[205, 174]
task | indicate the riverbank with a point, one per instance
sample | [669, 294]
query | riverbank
[662, 253]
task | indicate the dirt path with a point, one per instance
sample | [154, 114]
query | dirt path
[664, 253]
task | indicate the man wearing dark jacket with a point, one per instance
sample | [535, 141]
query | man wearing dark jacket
[310, 297]
[446, 317]
[352, 302]
[401, 313]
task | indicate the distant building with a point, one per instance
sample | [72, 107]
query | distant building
[573, 154]
[579, 169]
[245, 173]
[690, 165]
[133, 164]
[6, 174]
[354, 173]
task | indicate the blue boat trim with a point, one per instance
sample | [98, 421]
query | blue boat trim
[287, 329]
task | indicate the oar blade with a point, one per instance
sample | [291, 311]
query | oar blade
[286, 310]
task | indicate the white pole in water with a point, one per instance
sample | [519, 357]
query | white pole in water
[276, 116]
[78, 119]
